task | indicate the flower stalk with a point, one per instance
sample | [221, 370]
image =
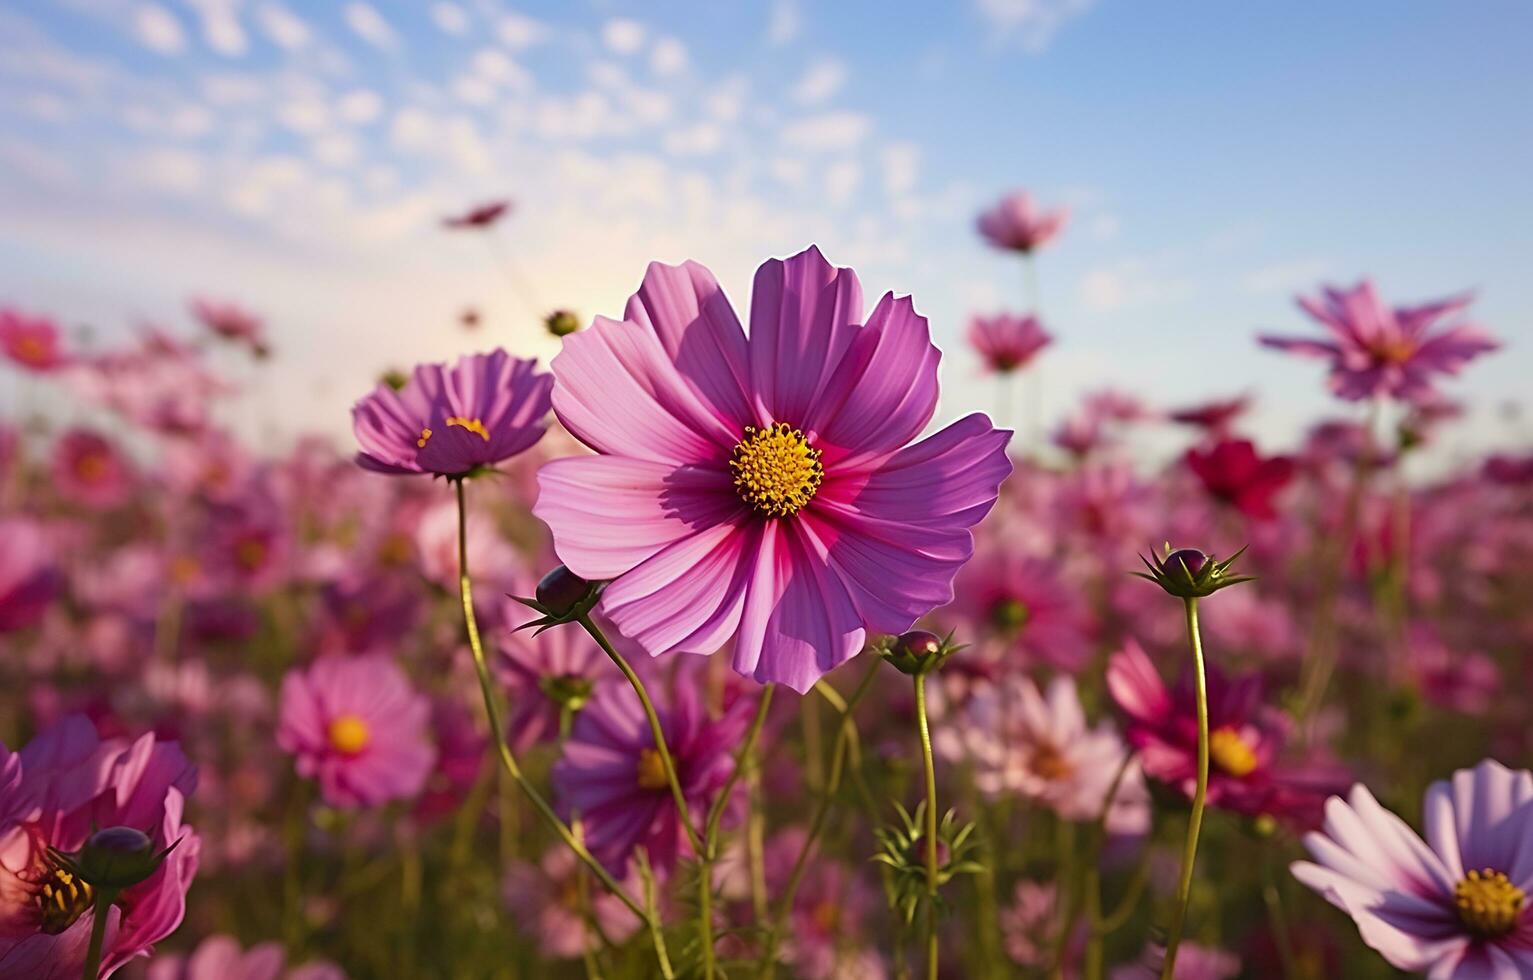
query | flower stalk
[932, 867]
[1200, 796]
[101, 911]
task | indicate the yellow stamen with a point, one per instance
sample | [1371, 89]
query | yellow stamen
[1049, 762]
[61, 900]
[775, 470]
[1488, 903]
[473, 425]
[425, 437]
[1229, 752]
[349, 734]
[651, 770]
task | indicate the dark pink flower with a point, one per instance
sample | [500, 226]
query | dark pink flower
[232, 322]
[1214, 417]
[763, 488]
[1017, 224]
[1233, 473]
[480, 216]
[1006, 342]
[1024, 607]
[450, 421]
[543, 674]
[29, 578]
[53, 794]
[357, 726]
[1376, 350]
[31, 342]
[1246, 739]
[88, 469]
[222, 958]
[1452, 906]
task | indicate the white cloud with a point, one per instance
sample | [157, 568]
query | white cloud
[158, 30]
[842, 180]
[784, 23]
[336, 150]
[668, 57]
[1133, 283]
[1032, 22]
[622, 35]
[1284, 277]
[221, 28]
[902, 167]
[370, 26]
[698, 140]
[169, 170]
[282, 26]
[727, 99]
[449, 18]
[497, 68]
[519, 32]
[360, 106]
[822, 80]
[828, 131]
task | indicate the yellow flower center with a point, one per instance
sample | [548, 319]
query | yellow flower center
[31, 350]
[1488, 903]
[349, 734]
[250, 553]
[1049, 762]
[184, 569]
[61, 900]
[651, 770]
[775, 470]
[473, 425]
[1231, 753]
[92, 467]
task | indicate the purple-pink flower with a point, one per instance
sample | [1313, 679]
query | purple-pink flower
[222, 958]
[1024, 608]
[31, 342]
[544, 674]
[29, 578]
[450, 421]
[1017, 224]
[88, 469]
[545, 901]
[762, 487]
[54, 793]
[1454, 905]
[1007, 342]
[1376, 350]
[232, 322]
[357, 726]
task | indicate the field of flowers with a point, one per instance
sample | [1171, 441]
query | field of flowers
[702, 652]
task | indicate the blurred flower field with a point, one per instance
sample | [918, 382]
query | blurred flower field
[705, 651]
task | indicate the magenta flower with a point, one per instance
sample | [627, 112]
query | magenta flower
[543, 673]
[31, 342]
[1023, 607]
[222, 958]
[1245, 741]
[1017, 224]
[1378, 351]
[763, 488]
[612, 775]
[1453, 906]
[357, 726]
[1006, 342]
[1233, 473]
[29, 579]
[231, 322]
[90, 470]
[450, 421]
[544, 900]
[53, 794]
[479, 216]
[1214, 417]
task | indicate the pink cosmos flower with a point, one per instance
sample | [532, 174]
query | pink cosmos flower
[542, 673]
[161, 384]
[54, 793]
[29, 579]
[1453, 906]
[449, 421]
[1376, 350]
[1233, 473]
[1214, 417]
[31, 342]
[1006, 342]
[232, 322]
[544, 900]
[1028, 922]
[1017, 224]
[90, 470]
[611, 774]
[222, 958]
[356, 725]
[828, 923]
[762, 487]
[1022, 606]
[1468, 682]
[1245, 741]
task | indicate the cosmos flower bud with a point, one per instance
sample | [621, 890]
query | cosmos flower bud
[562, 597]
[1189, 573]
[562, 323]
[918, 651]
[116, 858]
[569, 691]
[395, 378]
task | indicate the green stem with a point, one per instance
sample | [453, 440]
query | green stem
[683, 811]
[1277, 919]
[932, 868]
[1195, 820]
[652, 912]
[742, 757]
[1094, 952]
[498, 729]
[104, 899]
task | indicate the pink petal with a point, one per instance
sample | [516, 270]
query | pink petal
[804, 315]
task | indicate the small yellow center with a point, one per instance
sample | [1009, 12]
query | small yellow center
[1488, 903]
[92, 467]
[184, 569]
[425, 438]
[775, 470]
[651, 770]
[1231, 753]
[1049, 762]
[31, 350]
[1397, 350]
[250, 553]
[61, 900]
[349, 734]
[473, 425]
[827, 916]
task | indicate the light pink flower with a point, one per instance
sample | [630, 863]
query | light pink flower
[1017, 224]
[1006, 342]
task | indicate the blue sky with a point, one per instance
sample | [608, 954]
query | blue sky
[1218, 157]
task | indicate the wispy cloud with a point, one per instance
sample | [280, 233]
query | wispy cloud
[828, 131]
[370, 26]
[158, 29]
[1032, 23]
[822, 80]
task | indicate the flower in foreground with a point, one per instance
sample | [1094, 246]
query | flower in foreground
[613, 776]
[1376, 350]
[1007, 342]
[1245, 741]
[1453, 906]
[762, 488]
[222, 958]
[357, 726]
[53, 793]
[1017, 224]
[1233, 472]
[450, 421]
